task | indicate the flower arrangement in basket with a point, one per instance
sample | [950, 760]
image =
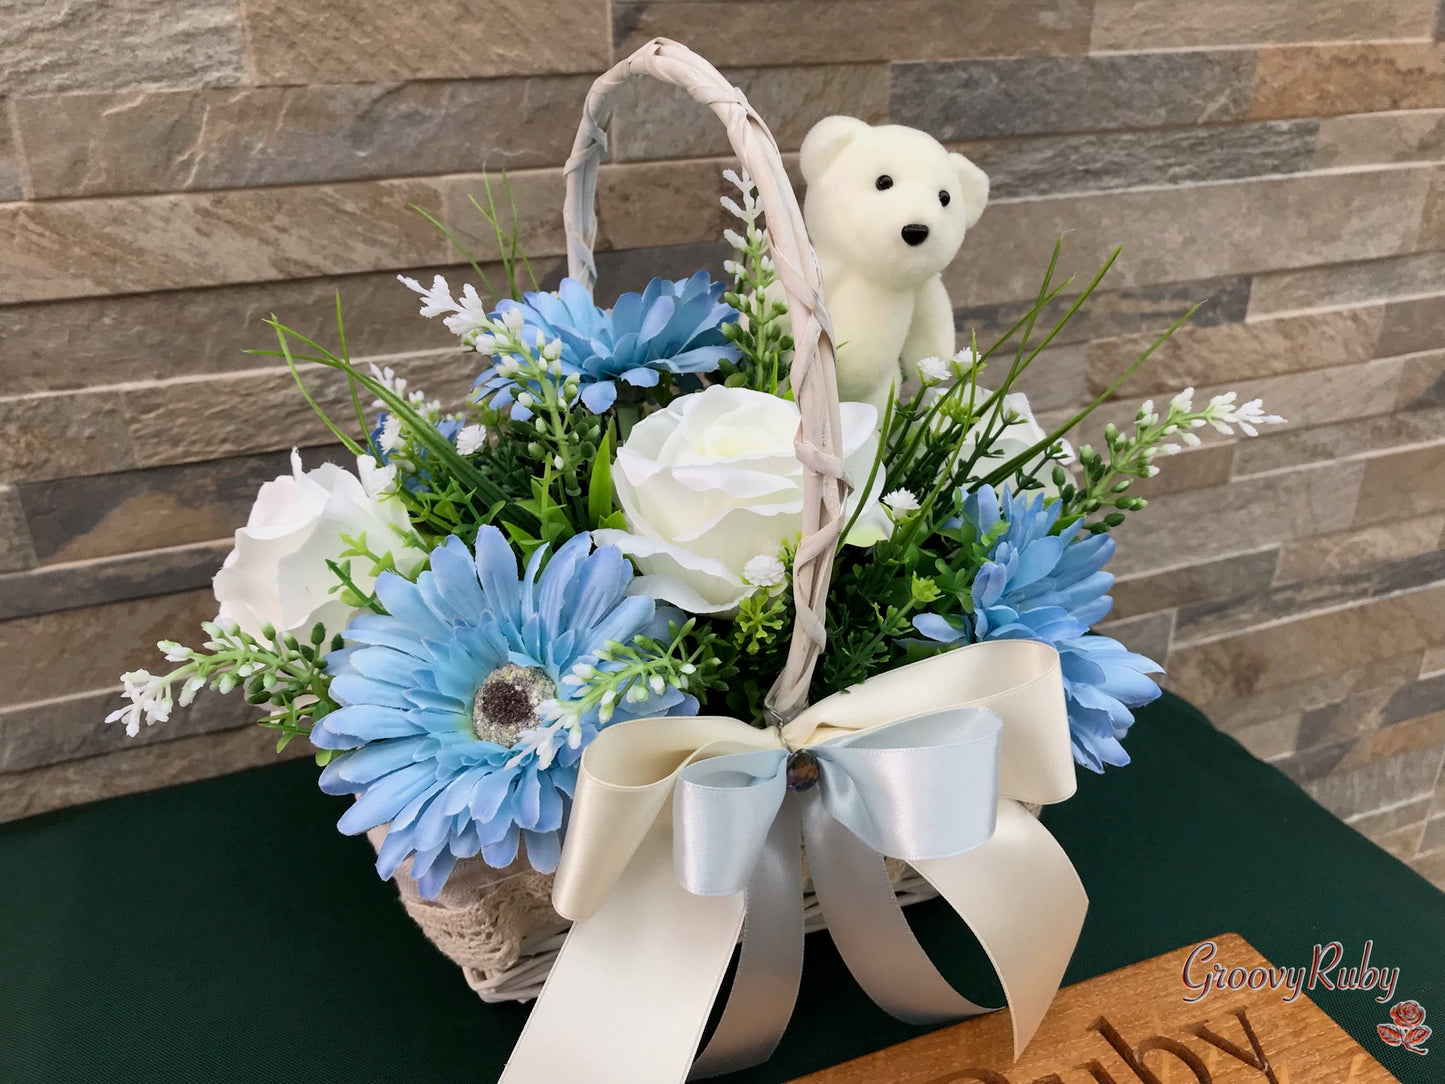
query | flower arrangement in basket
[602, 648]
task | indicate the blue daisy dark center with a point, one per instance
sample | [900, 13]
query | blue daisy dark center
[507, 703]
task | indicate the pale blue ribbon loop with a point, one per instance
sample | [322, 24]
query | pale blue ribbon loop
[723, 809]
[917, 789]
[920, 788]
[770, 960]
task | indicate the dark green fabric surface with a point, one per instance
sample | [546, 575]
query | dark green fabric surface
[224, 932]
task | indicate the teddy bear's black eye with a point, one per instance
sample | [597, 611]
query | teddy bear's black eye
[943, 198]
[883, 183]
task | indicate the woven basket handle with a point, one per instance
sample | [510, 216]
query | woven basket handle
[814, 380]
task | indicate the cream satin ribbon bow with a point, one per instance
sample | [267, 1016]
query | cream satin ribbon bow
[928, 763]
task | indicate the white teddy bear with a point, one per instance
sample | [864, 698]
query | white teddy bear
[886, 210]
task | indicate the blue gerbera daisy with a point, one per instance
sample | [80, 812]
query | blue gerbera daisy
[671, 327]
[448, 701]
[1035, 585]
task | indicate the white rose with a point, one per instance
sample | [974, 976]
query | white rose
[1015, 439]
[712, 481]
[277, 573]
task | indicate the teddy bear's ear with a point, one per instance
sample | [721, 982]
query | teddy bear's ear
[974, 182]
[825, 141]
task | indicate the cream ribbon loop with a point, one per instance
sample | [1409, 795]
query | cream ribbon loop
[681, 827]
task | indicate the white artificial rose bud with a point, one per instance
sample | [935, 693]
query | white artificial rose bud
[277, 573]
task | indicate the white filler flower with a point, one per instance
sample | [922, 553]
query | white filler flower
[901, 502]
[277, 573]
[765, 571]
[471, 439]
[712, 480]
[934, 370]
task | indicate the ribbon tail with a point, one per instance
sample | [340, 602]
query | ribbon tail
[1023, 900]
[634, 982]
[868, 926]
[770, 963]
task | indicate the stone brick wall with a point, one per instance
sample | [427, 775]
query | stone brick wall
[171, 173]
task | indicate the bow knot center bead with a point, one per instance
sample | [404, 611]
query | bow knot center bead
[803, 771]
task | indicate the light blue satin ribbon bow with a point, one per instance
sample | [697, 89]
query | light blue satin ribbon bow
[917, 789]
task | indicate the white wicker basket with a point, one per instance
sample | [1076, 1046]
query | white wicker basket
[499, 925]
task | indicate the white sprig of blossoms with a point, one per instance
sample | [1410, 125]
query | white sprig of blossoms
[753, 242]
[619, 673]
[282, 671]
[760, 333]
[390, 439]
[543, 742]
[522, 357]
[1102, 496]
[462, 318]
[396, 440]
[750, 210]
[1223, 412]
[150, 700]
[518, 356]
[150, 695]
[388, 378]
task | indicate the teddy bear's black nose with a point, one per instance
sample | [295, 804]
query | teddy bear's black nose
[914, 234]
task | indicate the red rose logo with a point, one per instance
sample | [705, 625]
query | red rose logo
[1408, 1030]
[1408, 1014]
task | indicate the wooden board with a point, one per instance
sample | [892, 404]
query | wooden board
[1133, 1026]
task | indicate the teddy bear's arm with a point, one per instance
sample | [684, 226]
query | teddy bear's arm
[930, 334]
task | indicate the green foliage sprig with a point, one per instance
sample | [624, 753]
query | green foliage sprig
[456, 496]
[938, 444]
[508, 238]
[346, 589]
[474, 489]
[559, 440]
[756, 643]
[859, 650]
[762, 617]
[688, 661]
